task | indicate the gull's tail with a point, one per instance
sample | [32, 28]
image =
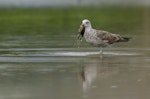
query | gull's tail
[124, 39]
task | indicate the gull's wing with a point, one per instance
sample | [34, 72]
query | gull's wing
[110, 37]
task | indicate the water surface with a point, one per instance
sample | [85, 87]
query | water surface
[35, 70]
[55, 66]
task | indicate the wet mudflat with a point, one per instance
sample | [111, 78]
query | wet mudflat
[73, 73]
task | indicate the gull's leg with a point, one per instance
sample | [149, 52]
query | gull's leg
[101, 51]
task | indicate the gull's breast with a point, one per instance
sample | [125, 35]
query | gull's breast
[91, 38]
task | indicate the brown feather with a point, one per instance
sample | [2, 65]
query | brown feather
[111, 38]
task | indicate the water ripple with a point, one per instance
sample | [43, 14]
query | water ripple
[53, 55]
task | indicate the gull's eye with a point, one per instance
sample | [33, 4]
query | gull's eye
[87, 22]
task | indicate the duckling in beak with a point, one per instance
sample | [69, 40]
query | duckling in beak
[81, 31]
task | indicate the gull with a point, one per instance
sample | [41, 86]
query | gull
[99, 38]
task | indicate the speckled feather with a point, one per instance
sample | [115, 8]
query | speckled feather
[100, 38]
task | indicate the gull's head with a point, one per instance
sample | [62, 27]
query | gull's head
[86, 23]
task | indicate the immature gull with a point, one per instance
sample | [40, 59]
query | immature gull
[99, 38]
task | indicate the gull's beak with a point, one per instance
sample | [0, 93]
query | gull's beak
[81, 28]
[81, 31]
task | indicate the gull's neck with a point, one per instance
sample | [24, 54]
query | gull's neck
[87, 29]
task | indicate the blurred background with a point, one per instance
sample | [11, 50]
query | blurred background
[41, 58]
[57, 17]
[76, 3]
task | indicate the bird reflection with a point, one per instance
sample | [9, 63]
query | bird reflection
[89, 71]
[88, 75]
[94, 68]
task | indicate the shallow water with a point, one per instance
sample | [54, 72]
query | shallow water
[31, 69]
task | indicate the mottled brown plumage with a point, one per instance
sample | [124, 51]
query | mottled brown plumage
[111, 38]
[99, 38]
